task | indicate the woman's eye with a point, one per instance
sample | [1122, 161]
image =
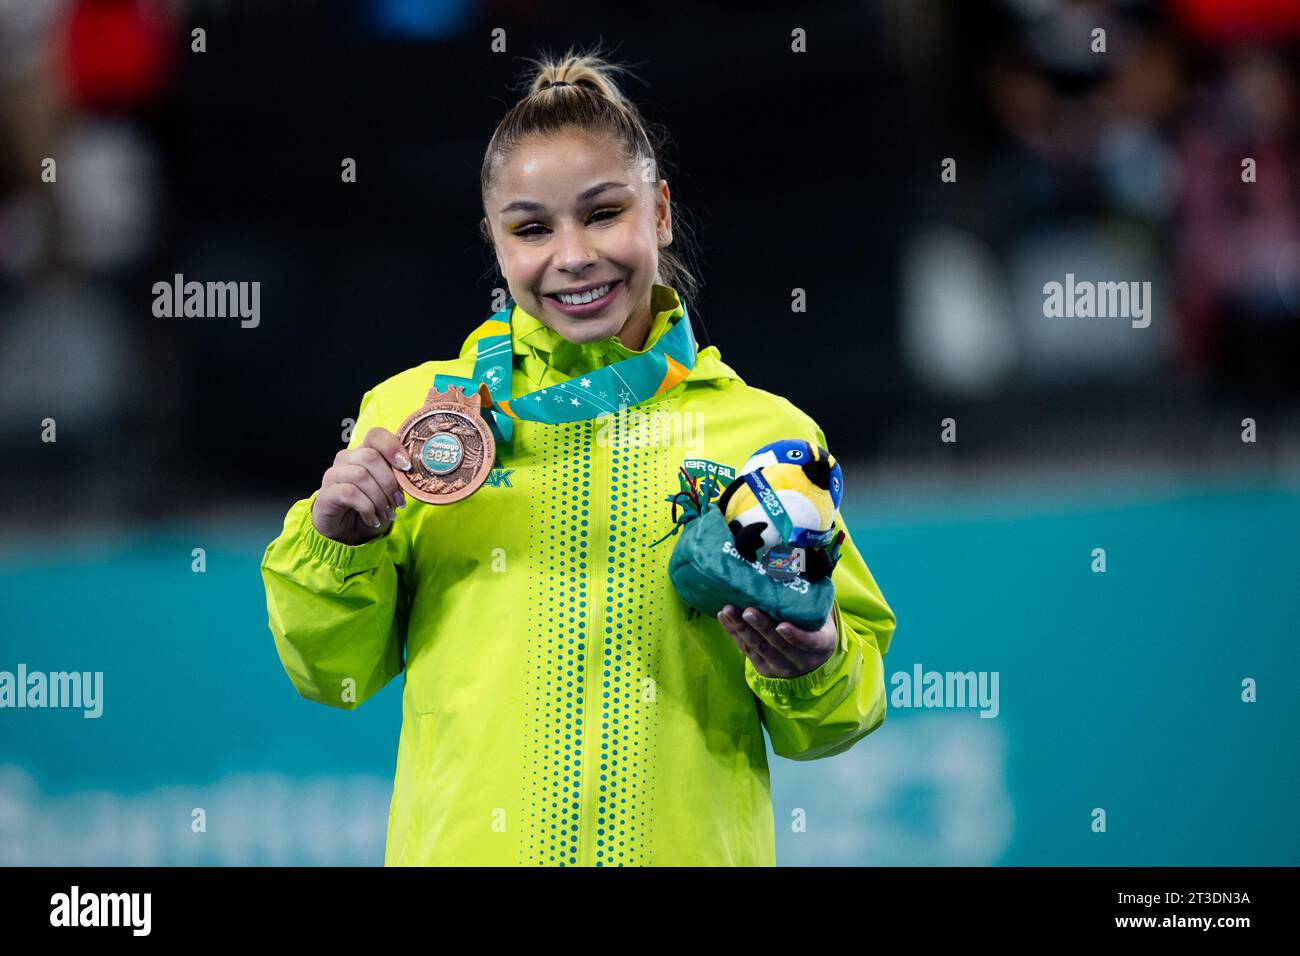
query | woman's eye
[533, 229]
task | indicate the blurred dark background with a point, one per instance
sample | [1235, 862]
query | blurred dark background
[818, 171]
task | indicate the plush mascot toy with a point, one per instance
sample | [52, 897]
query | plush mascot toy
[807, 485]
[767, 540]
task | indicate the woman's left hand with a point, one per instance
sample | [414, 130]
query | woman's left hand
[779, 650]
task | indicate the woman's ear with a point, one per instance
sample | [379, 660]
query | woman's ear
[664, 214]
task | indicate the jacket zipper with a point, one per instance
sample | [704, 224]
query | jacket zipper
[597, 558]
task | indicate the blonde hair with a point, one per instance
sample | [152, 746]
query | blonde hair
[578, 92]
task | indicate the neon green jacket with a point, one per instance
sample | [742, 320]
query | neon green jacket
[560, 705]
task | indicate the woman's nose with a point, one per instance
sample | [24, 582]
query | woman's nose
[575, 253]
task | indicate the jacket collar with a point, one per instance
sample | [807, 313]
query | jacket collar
[546, 357]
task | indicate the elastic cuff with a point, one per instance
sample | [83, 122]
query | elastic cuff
[348, 558]
[804, 682]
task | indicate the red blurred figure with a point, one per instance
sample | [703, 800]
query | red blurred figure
[1236, 19]
[118, 53]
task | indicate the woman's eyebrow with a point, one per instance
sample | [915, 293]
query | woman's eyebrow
[583, 196]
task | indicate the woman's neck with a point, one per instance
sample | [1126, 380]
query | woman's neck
[637, 328]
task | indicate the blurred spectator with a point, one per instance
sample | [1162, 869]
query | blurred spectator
[1239, 225]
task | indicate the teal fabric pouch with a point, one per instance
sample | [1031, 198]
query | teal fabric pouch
[708, 572]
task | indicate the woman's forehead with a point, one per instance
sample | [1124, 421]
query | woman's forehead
[562, 166]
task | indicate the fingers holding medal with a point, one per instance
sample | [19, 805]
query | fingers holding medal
[449, 444]
[359, 492]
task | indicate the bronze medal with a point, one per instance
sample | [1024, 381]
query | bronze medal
[449, 444]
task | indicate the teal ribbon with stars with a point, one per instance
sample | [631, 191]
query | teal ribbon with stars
[605, 390]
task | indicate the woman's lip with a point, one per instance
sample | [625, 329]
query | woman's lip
[588, 308]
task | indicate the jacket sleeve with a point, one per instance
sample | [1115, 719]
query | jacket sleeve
[827, 710]
[337, 612]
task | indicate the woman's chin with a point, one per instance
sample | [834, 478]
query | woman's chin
[586, 331]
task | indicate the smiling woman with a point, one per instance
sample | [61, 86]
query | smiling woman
[561, 704]
[581, 258]
[576, 210]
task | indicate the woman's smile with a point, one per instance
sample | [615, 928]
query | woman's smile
[585, 300]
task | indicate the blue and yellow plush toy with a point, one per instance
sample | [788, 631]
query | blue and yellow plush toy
[807, 485]
[767, 541]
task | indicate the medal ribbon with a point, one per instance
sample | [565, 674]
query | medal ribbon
[780, 518]
[605, 390]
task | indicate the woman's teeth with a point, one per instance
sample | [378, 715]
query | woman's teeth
[583, 297]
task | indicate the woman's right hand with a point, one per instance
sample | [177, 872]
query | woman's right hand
[359, 495]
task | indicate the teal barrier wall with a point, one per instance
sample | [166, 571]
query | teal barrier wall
[1119, 690]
